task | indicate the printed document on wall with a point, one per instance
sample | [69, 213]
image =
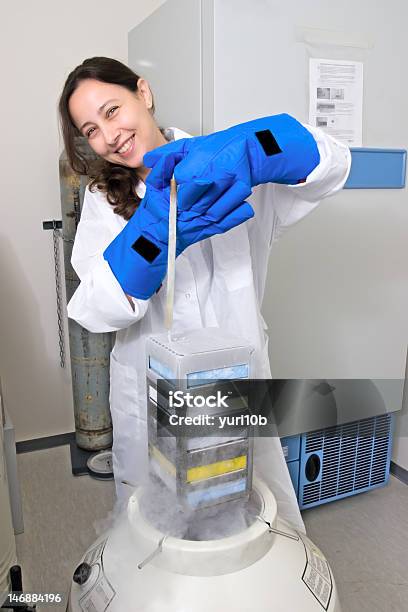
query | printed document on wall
[336, 99]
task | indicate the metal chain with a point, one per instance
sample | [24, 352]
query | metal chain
[56, 235]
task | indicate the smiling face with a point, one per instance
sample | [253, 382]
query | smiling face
[117, 123]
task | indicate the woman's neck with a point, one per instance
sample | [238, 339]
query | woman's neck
[143, 172]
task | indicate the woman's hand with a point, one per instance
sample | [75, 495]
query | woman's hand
[276, 149]
[138, 255]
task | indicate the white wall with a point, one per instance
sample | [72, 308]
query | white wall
[41, 43]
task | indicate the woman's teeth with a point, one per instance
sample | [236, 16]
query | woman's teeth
[124, 148]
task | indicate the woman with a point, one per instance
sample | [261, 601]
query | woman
[219, 281]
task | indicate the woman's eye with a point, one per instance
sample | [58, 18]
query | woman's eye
[90, 132]
[110, 112]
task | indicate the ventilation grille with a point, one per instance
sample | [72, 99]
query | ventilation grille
[355, 456]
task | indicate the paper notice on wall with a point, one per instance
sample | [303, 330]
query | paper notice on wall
[336, 99]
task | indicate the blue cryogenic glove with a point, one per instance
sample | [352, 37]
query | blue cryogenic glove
[138, 255]
[276, 149]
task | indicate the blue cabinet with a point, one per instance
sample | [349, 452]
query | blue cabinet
[337, 462]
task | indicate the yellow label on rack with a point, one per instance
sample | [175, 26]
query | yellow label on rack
[202, 472]
[167, 465]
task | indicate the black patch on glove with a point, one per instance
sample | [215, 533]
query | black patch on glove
[268, 142]
[146, 249]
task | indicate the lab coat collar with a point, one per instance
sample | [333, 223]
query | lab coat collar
[172, 133]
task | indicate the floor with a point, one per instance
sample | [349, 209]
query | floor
[62, 515]
[365, 538]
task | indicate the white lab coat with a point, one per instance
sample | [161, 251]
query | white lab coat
[219, 282]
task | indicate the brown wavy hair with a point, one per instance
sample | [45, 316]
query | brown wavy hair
[118, 182]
